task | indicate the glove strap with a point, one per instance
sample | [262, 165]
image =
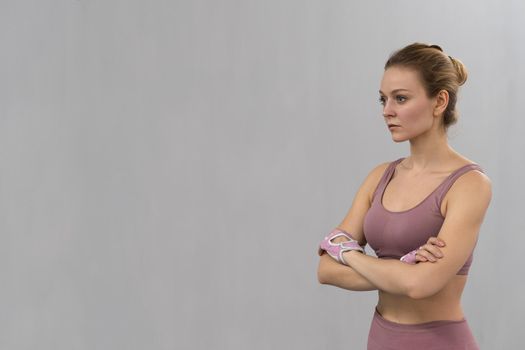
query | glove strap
[409, 258]
[336, 250]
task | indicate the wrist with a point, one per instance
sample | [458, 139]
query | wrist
[348, 255]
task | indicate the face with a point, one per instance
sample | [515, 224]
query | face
[406, 104]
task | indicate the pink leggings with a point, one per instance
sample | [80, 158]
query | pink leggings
[435, 335]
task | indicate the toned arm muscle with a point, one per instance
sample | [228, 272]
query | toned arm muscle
[468, 201]
[330, 271]
[333, 273]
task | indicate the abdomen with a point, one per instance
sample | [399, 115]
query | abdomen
[444, 305]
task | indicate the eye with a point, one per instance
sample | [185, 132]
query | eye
[400, 98]
[382, 100]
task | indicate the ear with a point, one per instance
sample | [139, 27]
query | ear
[441, 103]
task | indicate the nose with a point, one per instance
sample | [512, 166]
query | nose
[388, 109]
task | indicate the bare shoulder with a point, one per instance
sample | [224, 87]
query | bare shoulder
[379, 169]
[372, 179]
[354, 220]
[471, 187]
[473, 181]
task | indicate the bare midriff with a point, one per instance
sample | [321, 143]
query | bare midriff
[444, 305]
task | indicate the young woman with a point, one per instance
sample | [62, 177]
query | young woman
[421, 214]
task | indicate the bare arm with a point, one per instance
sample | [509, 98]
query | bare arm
[469, 200]
[330, 271]
[333, 273]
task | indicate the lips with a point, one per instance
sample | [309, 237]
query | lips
[389, 125]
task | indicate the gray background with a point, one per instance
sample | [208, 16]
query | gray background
[167, 168]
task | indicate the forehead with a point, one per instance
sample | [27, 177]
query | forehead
[395, 78]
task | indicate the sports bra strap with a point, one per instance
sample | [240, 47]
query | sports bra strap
[445, 186]
[386, 176]
[442, 189]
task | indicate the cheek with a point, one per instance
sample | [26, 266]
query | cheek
[417, 115]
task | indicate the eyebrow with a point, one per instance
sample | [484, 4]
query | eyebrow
[394, 91]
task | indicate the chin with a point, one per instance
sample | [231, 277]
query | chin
[398, 140]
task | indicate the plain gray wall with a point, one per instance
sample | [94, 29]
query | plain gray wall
[167, 168]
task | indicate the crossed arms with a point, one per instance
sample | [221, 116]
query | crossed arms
[468, 201]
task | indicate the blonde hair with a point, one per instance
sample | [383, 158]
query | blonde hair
[437, 71]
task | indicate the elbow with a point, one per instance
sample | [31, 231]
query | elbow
[320, 279]
[415, 293]
[419, 290]
[322, 276]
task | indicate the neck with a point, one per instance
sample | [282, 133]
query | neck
[429, 151]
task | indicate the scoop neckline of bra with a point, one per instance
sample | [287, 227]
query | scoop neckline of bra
[426, 198]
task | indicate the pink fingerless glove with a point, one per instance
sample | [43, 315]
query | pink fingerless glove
[336, 250]
[409, 258]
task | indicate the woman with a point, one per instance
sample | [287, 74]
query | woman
[421, 214]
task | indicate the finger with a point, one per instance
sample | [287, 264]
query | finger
[436, 241]
[421, 258]
[427, 255]
[434, 250]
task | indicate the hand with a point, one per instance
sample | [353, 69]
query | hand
[342, 237]
[427, 252]
[336, 240]
[336, 243]
[339, 239]
[430, 251]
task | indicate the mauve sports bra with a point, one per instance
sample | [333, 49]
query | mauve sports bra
[393, 234]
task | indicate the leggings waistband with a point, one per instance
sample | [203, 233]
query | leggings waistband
[433, 335]
[413, 327]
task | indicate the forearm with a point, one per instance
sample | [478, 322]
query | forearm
[392, 276]
[332, 273]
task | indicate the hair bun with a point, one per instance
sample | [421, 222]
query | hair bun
[461, 70]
